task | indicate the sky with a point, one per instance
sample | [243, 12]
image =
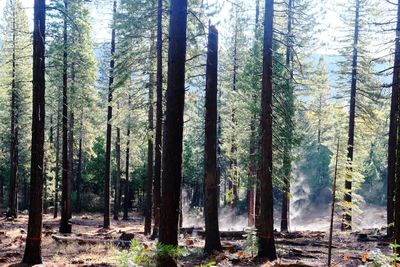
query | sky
[329, 23]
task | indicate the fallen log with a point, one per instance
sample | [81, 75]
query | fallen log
[238, 235]
[90, 241]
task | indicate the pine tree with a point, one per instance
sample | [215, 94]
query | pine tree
[32, 253]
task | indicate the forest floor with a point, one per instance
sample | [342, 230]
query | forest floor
[302, 248]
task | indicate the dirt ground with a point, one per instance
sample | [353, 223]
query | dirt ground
[303, 248]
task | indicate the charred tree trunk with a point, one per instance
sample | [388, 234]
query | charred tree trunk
[159, 118]
[347, 217]
[117, 198]
[150, 158]
[213, 242]
[32, 253]
[394, 113]
[13, 191]
[266, 242]
[106, 223]
[65, 224]
[172, 150]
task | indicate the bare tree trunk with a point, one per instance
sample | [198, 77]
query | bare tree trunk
[117, 199]
[150, 149]
[213, 242]
[57, 178]
[393, 132]
[70, 161]
[159, 118]
[79, 174]
[333, 205]
[65, 224]
[234, 183]
[396, 86]
[172, 150]
[347, 217]
[107, 184]
[32, 253]
[266, 242]
[128, 135]
[13, 191]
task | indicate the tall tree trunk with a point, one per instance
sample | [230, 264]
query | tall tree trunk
[159, 118]
[128, 136]
[172, 150]
[13, 191]
[234, 183]
[106, 223]
[287, 162]
[1, 192]
[252, 186]
[150, 155]
[394, 113]
[79, 174]
[70, 161]
[213, 242]
[32, 253]
[396, 181]
[347, 216]
[65, 224]
[57, 145]
[117, 199]
[266, 242]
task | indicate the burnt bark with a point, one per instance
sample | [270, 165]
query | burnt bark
[347, 217]
[394, 113]
[32, 253]
[213, 242]
[65, 224]
[266, 242]
[159, 118]
[107, 185]
[172, 149]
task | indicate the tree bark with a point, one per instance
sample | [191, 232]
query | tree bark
[150, 157]
[394, 113]
[79, 170]
[32, 253]
[266, 242]
[159, 118]
[57, 145]
[65, 224]
[287, 161]
[347, 216]
[233, 182]
[172, 150]
[117, 198]
[396, 86]
[213, 242]
[13, 191]
[126, 194]
[70, 161]
[106, 223]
